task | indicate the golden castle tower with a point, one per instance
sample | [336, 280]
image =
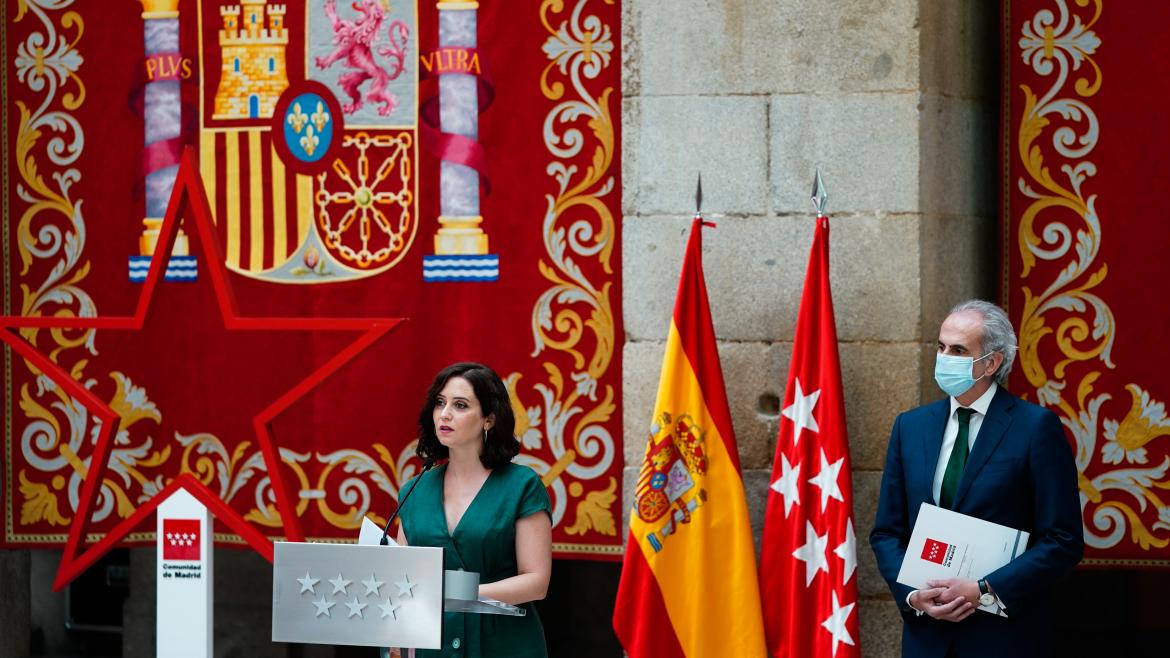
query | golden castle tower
[253, 72]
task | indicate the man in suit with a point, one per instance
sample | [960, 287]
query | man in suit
[985, 453]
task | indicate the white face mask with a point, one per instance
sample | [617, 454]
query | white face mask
[955, 375]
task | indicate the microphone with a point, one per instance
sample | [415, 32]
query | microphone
[386, 531]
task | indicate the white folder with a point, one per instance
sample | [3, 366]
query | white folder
[946, 544]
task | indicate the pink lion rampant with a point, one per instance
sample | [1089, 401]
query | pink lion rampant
[354, 40]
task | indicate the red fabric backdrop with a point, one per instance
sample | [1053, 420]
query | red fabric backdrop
[1084, 245]
[187, 388]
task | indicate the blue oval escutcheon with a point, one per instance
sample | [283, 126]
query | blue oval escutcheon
[308, 127]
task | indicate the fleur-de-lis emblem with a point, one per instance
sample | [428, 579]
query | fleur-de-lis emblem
[297, 118]
[309, 140]
[320, 117]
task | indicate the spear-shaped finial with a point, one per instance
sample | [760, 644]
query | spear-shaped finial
[820, 198]
[699, 195]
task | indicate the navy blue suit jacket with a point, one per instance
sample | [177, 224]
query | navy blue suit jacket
[1020, 474]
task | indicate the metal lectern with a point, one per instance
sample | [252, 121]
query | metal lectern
[378, 596]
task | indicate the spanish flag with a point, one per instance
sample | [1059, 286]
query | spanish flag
[688, 585]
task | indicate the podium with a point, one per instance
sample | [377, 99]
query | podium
[378, 596]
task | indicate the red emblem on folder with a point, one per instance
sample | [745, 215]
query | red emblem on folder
[180, 539]
[934, 551]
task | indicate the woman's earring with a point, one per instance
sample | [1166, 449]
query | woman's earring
[485, 431]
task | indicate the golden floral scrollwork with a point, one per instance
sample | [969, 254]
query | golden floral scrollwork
[53, 454]
[1126, 440]
[40, 504]
[1066, 314]
[574, 317]
[593, 512]
[361, 475]
[354, 490]
[264, 510]
[128, 460]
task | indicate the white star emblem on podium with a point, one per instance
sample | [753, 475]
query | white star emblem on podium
[323, 606]
[340, 584]
[405, 587]
[308, 583]
[355, 608]
[389, 609]
[373, 585]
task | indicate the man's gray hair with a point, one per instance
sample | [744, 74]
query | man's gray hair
[998, 334]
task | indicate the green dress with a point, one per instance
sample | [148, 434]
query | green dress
[484, 542]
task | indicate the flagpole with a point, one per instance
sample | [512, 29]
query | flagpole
[699, 204]
[820, 198]
[808, 561]
[699, 196]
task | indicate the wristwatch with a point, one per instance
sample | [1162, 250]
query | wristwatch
[985, 595]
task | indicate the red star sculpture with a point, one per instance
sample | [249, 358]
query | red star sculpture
[188, 192]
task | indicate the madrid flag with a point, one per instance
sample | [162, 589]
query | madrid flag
[688, 585]
[809, 556]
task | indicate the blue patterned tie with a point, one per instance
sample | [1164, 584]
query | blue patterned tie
[958, 460]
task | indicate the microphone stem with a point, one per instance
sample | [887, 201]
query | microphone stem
[385, 541]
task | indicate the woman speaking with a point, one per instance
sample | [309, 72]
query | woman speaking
[489, 515]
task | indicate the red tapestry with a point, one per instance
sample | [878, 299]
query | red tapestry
[449, 163]
[1084, 253]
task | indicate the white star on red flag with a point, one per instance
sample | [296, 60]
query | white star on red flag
[813, 553]
[800, 412]
[788, 484]
[847, 551]
[835, 624]
[826, 480]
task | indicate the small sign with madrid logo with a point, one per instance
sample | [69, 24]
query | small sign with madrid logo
[185, 588]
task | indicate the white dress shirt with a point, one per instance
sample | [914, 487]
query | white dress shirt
[952, 432]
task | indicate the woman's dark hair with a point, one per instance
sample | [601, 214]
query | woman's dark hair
[501, 445]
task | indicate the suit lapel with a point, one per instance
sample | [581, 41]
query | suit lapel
[991, 433]
[932, 443]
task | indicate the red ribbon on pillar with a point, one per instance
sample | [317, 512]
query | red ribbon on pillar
[450, 147]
